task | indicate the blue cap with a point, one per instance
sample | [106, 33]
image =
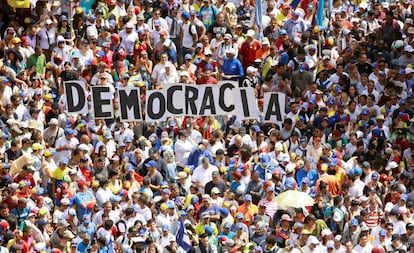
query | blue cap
[289, 183]
[151, 163]
[239, 215]
[5, 80]
[157, 22]
[248, 197]
[63, 18]
[72, 212]
[128, 139]
[382, 232]
[182, 213]
[357, 171]
[376, 132]
[76, 54]
[284, 58]
[166, 191]
[290, 243]
[209, 230]
[224, 211]
[270, 188]
[365, 111]
[108, 135]
[165, 227]
[258, 248]
[282, 32]
[86, 216]
[141, 32]
[404, 197]
[170, 205]
[350, 172]
[227, 225]
[68, 131]
[306, 180]
[100, 53]
[188, 57]
[185, 14]
[112, 23]
[115, 198]
[265, 159]
[65, 161]
[255, 128]
[403, 101]
[129, 168]
[38, 91]
[126, 75]
[354, 222]
[92, 16]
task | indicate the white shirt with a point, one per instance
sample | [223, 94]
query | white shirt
[366, 249]
[188, 40]
[44, 34]
[103, 196]
[202, 175]
[128, 40]
[62, 141]
[182, 152]
[164, 24]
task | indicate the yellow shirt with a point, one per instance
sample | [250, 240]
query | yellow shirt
[199, 229]
[281, 18]
[58, 173]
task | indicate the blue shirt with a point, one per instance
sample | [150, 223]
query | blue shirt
[21, 214]
[79, 200]
[232, 67]
[312, 175]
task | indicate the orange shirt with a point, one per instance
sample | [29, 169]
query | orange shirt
[262, 53]
[332, 183]
[248, 211]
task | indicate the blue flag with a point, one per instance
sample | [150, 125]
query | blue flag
[111, 248]
[180, 237]
[320, 13]
[259, 21]
[294, 4]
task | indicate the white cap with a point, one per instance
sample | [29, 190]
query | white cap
[48, 21]
[250, 33]
[84, 147]
[338, 237]
[53, 121]
[313, 240]
[251, 69]
[265, 41]
[408, 48]
[330, 244]
[184, 73]
[65, 202]
[290, 168]
[326, 232]
[229, 51]
[129, 25]
[274, 63]
[409, 70]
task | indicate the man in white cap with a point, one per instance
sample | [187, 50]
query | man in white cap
[232, 67]
[249, 49]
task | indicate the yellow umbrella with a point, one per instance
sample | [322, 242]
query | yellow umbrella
[293, 198]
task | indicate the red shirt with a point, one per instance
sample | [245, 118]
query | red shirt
[248, 51]
[209, 80]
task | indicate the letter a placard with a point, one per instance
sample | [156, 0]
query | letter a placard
[274, 107]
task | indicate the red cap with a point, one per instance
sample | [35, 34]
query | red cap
[81, 183]
[163, 33]
[55, 250]
[336, 133]
[378, 250]
[317, 139]
[384, 177]
[91, 206]
[137, 10]
[285, 6]
[115, 36]
[25, 41]
[4, 224]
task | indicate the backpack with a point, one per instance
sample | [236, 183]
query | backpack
[198, 29]
[117, 227]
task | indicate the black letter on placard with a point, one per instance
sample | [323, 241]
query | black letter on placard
[69, 96]
[208, 102]
[129, 101]
[190, 100]
[245, 103]
[150, 106]
[223, 105]
[170, 104]
[98, 102]
[273, 108]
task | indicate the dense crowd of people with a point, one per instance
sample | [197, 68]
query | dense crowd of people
[74, 183]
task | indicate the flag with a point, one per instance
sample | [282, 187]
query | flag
[320, 13]
[180, 237]
[295, 4]
[111, 248]
[259, 18]
[19, 3]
